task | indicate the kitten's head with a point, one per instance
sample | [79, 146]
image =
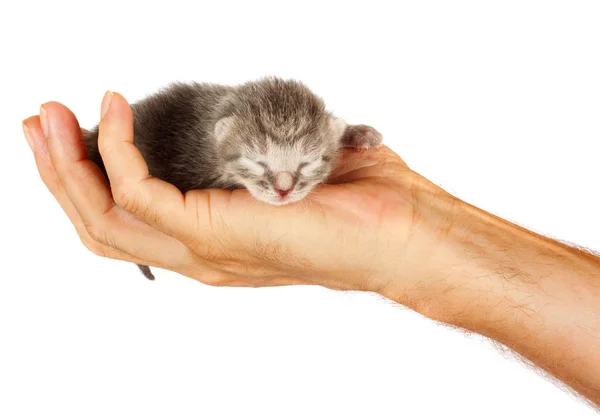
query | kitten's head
[276, 139]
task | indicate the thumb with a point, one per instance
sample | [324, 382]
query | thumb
[150, 199]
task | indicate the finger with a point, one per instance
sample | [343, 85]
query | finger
[152, 200]
[69, 159]
[354, 165]
[89, 192]
[39, 146]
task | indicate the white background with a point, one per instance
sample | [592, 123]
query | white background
[498, 102]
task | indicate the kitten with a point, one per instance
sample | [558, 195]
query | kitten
[273, 137]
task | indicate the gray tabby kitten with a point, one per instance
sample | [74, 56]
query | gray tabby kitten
[273, 137]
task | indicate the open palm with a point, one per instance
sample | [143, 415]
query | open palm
[337, 237]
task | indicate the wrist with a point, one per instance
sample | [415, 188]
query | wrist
[470, 268]
[457, 260]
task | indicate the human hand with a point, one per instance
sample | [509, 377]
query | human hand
[377, 226]
[355, 233]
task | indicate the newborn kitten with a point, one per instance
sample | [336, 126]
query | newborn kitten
[273, 137]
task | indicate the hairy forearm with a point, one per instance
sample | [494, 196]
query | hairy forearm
[537, 296]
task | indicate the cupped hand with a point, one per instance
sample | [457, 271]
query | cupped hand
[353, 233]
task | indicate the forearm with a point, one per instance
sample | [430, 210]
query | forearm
[539, 297]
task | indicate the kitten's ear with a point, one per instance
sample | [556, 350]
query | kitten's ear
[223, 127]
[338, 126]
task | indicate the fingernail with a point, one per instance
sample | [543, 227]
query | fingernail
[44, 120]
[106, 103]
[27, 135]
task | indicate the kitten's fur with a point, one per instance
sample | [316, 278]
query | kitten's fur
[273, 137]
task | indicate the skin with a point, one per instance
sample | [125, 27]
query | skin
[378, 226]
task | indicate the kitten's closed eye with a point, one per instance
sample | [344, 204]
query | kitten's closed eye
[256, 167]
[308, 168]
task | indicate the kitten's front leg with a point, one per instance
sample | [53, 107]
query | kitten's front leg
[361, 137]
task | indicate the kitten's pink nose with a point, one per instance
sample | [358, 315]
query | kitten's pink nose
[284, 181]
[282, 193]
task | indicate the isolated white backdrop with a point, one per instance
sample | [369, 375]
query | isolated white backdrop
[498, 102]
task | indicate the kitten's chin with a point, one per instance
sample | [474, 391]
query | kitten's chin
[272, 199]
[283, 201]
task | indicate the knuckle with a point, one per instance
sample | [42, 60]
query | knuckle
[98, 234]
[126, 199]
[93, 247]
[103, 148]
[51, 182]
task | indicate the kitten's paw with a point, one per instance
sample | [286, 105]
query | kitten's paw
[361, 137]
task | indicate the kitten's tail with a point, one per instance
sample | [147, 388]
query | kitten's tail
[146, 271]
